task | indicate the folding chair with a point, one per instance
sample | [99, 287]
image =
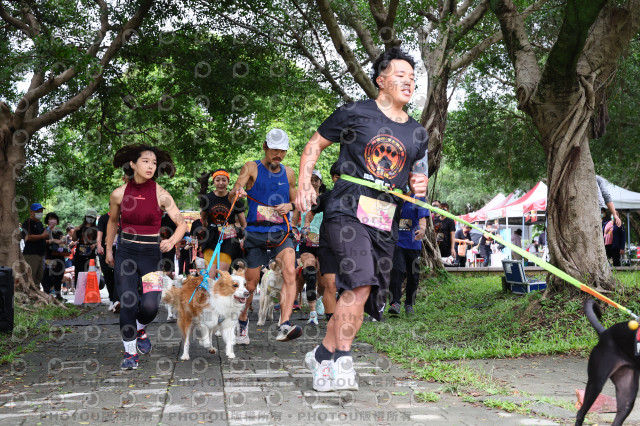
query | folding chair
[517, 281]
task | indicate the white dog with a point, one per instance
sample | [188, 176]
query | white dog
[270, 289]
[167, 284]
[217, 308]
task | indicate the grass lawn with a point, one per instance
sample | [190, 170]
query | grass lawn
[33, 326]
[468, 318]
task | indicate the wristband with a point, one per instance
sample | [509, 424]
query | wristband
[293, 206]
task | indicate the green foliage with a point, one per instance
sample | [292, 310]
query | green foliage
[207, 100]
[32, 325]
[493, 143]
[617, 154]
[470, 318]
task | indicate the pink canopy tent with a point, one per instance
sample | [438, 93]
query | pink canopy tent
[534, 198]
[497, 201]
[539, 204]
[481, 214]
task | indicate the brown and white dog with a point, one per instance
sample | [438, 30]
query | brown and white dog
[270, 288]
[217, 308]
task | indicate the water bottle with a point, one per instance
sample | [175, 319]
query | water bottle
[421, 166]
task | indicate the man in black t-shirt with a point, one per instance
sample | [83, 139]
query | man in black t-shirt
[445, 229]
[380, 144]
[167, 228]
[463, 243]
[107, 271]
[35, 245]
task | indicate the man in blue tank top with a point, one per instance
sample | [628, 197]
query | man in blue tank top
[270, 188]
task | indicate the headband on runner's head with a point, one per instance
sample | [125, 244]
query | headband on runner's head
[220, 172]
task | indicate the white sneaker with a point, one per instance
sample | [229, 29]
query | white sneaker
[242, 334]
[322, 376]
[310, 359]
[288, 332]
[343, 374]
[116, 307]
[111, 306]
[313, 318]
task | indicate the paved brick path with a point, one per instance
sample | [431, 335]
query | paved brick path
[76, 379]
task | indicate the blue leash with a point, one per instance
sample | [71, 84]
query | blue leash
[216, 255]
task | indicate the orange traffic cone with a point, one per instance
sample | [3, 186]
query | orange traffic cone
[92, 290]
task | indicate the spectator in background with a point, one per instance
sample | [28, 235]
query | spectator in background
[445, 231]
[542, 238]
[484, 246]
[54, 259]
[86, 236]
[107, 271]
[406, 256]
[184, 254]
[463, 242]
[516, 239]
[604, 199]
[167, 228]
[35, 244]
[614, 238]
[68, 240]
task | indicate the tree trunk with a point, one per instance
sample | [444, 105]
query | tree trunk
[11, 163]
[434, 119]
[430, 251]
[574, 233]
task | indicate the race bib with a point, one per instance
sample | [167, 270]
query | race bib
[229, 232]
[268, 214]
[375, 213]
[152, 282]
[313, 239]
[405, 224]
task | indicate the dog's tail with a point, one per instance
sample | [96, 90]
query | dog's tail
[593, 312]
[172, 297]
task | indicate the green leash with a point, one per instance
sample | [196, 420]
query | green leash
[535, 259]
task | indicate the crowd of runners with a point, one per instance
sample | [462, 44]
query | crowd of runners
[342, 244]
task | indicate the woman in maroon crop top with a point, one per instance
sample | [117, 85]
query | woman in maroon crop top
[139, 205]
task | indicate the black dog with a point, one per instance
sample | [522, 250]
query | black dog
[613, 357]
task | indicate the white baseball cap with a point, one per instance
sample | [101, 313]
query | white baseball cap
[278, 139]
[317, 173]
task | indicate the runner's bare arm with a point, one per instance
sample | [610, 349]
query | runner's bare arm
[306, 195]
[248, 175]
[242, 219]
[166, 203]
[285, 208]
[308, 218]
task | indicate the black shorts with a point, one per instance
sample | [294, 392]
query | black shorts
[366, 259]
[259, 247]
[231, 247]
[326, 258]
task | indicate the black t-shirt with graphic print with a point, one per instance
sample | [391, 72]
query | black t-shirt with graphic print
[373, 148]
[217, 209]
